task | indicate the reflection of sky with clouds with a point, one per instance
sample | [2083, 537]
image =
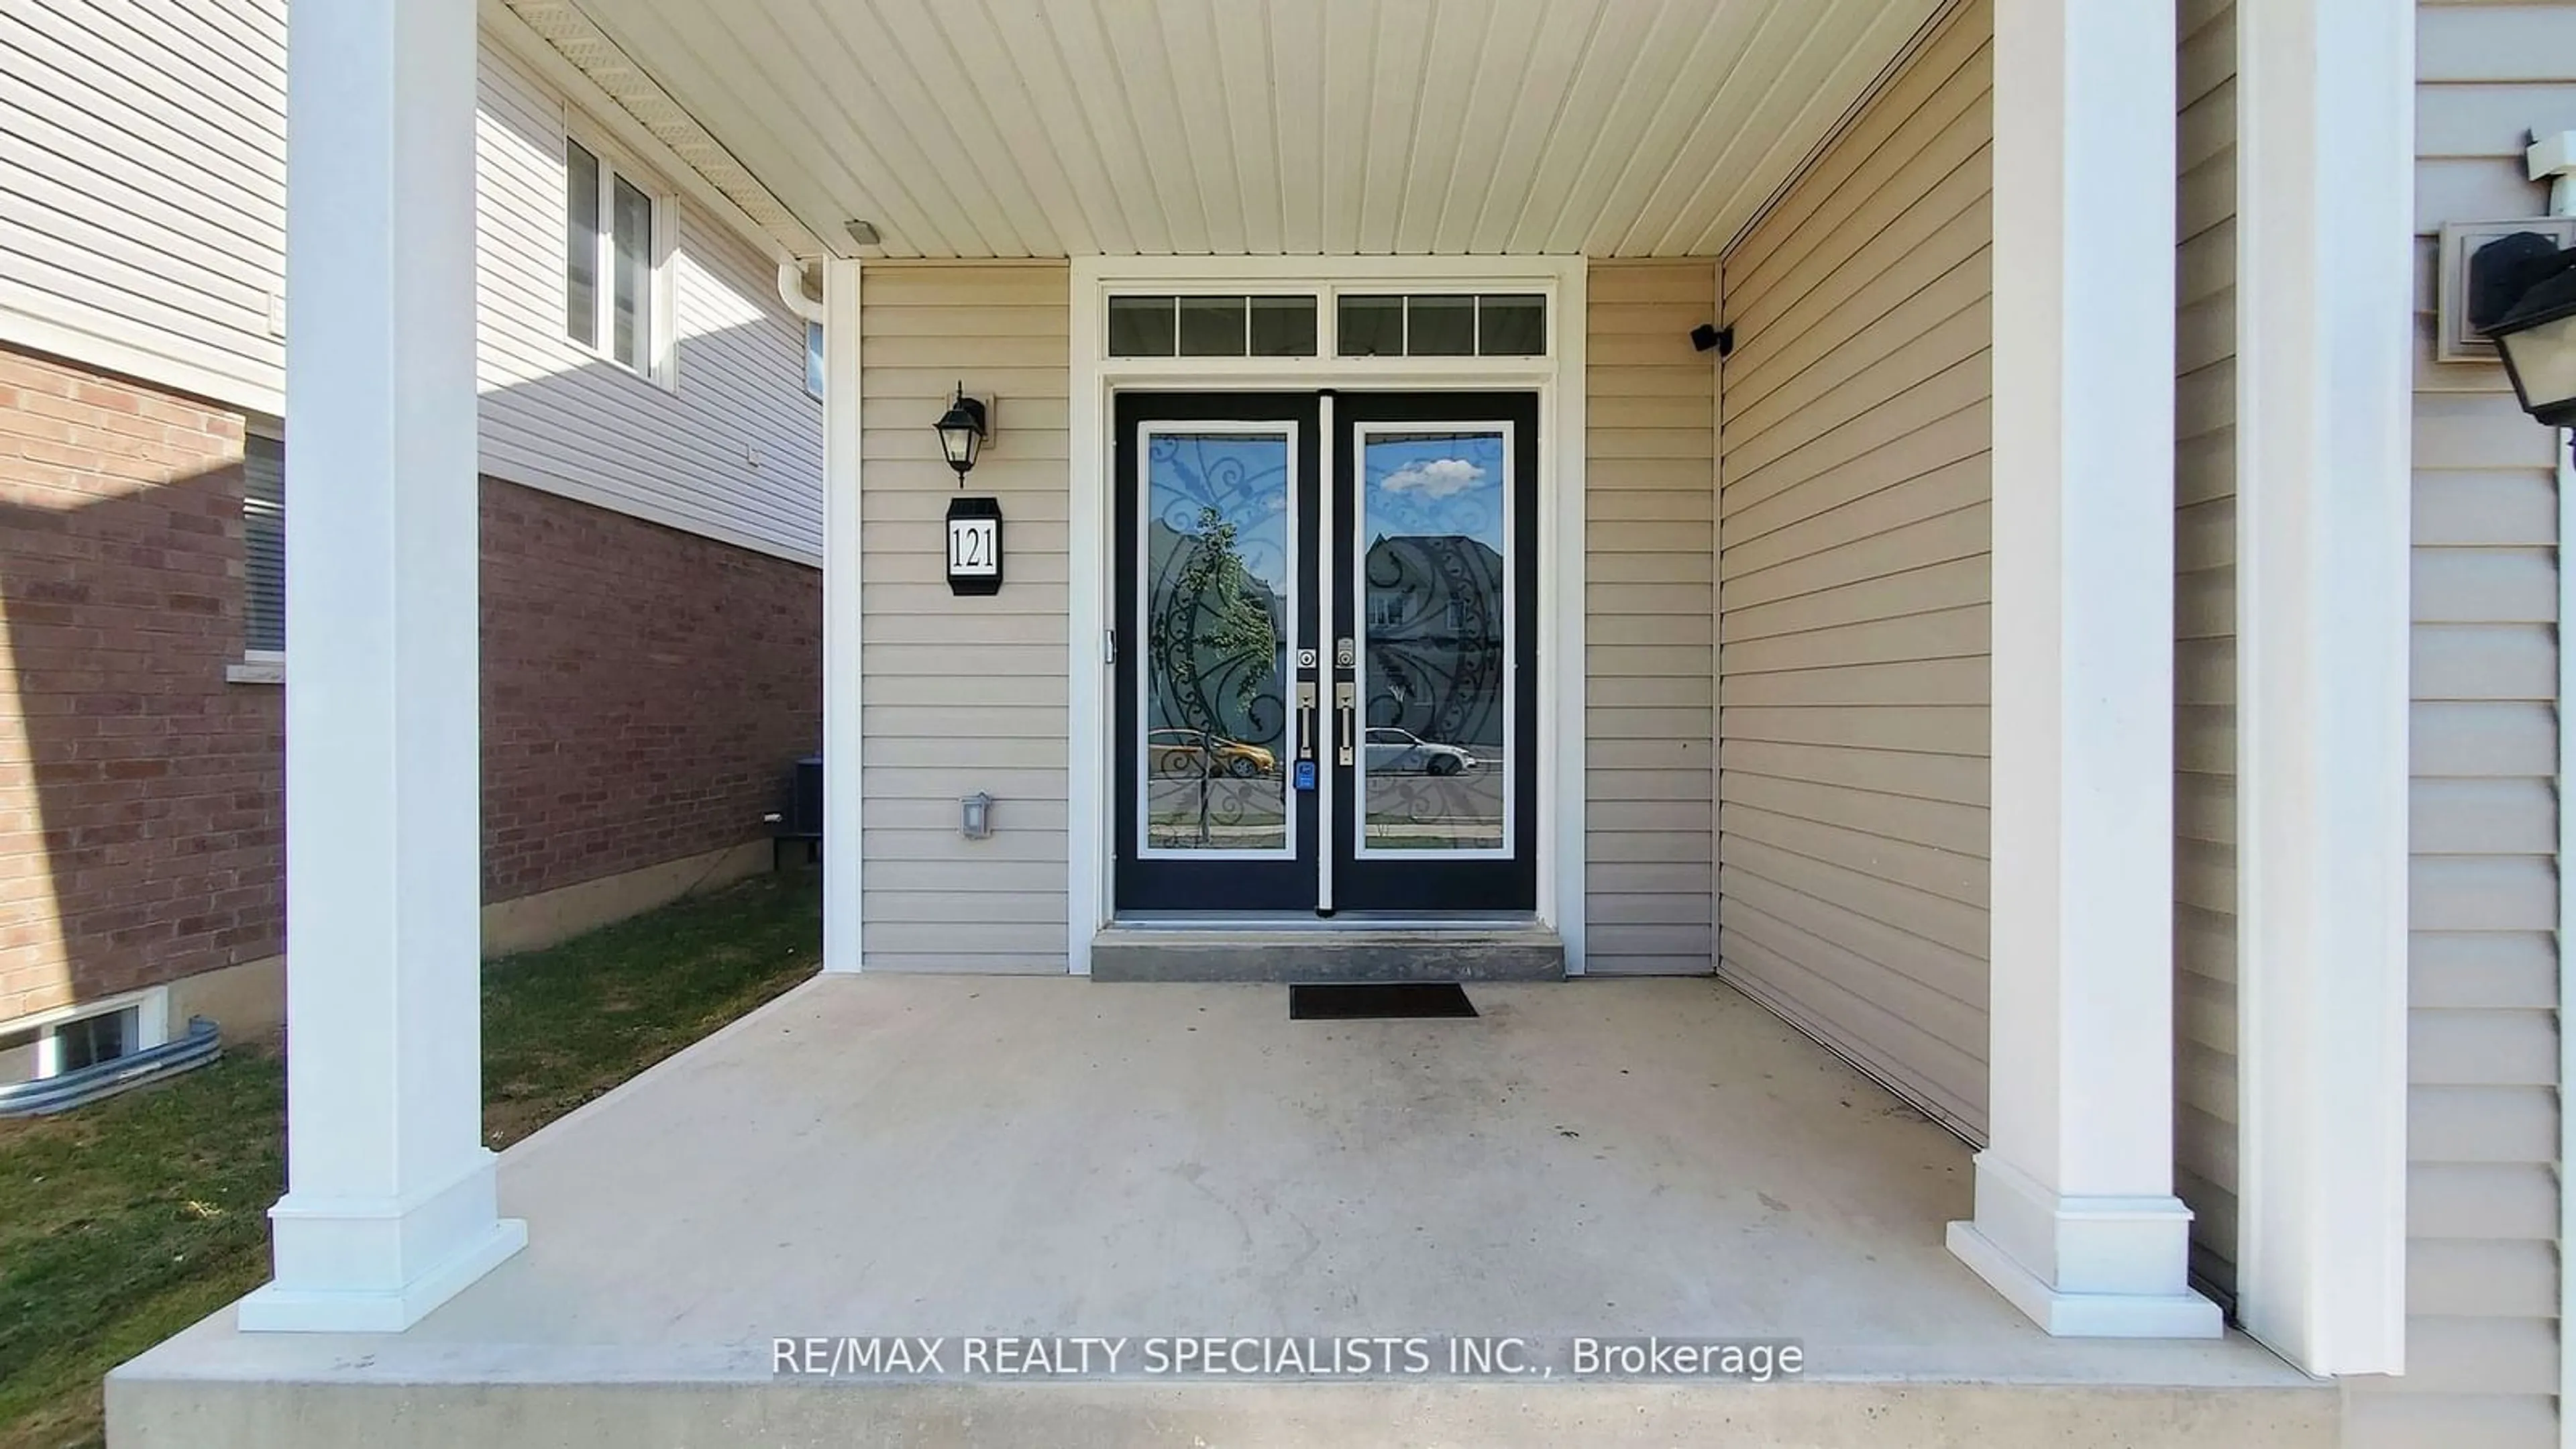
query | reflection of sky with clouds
[1426, 485]
[1244, 478]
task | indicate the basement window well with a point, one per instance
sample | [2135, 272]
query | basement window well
[79, 1054]
[86, 1035]
[76, 1038]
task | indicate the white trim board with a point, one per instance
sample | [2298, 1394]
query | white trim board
[2325, 284]
[1717, 633]
[2562, 198]
[844, 737]
[1557, 378]
[2566, 440]
[142, 355]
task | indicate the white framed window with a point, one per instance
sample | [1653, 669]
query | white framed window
[615, 240]
[72, 1038]
[263, 547]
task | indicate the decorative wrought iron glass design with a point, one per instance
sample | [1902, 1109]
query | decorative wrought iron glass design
[1217, 599]
[1436, 641]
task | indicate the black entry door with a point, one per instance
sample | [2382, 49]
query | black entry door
[1325, 683]
[1434, 611]
[1218, 495]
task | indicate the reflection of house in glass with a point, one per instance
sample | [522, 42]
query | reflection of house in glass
[1216, 657]
[1434, 615]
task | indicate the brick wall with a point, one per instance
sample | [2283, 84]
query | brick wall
[643, 691]
[140, 822]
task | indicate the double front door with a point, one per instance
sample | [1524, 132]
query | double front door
[1326, 615]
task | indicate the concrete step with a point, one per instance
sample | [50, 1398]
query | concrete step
[1336, 953]
[599, 1407]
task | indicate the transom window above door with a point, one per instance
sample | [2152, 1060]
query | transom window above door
[1219, 326]
[1442, 324]
[1328, 322]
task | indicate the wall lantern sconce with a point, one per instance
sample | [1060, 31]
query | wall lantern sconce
[974, 524]
[975, 816]
[963, 431]
[2522, 295]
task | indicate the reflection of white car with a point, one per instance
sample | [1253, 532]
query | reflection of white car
[1392, 751]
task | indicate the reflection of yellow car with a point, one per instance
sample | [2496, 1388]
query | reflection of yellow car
[1189, 752]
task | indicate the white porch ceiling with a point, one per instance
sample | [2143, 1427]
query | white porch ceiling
[1014, 128]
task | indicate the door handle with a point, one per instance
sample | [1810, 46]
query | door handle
[1306, 719]
[1345, 703]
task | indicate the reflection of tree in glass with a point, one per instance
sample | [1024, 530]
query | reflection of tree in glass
[1233, 609]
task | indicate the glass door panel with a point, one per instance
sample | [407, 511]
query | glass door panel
[1219, 596]
[1436, 639]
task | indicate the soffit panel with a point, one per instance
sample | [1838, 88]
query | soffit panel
[1043, 128]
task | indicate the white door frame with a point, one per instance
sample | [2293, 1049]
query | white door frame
[1558, 379]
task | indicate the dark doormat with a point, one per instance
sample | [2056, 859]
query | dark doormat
[1399, 998]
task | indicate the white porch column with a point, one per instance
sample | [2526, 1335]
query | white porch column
[389, 1208]
[2076, 1220]
[841, 560]
[2324, 404]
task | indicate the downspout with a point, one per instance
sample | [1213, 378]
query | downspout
[791, 290]
[2553, 159]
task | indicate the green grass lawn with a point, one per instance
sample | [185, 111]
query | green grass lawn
[122, 1223]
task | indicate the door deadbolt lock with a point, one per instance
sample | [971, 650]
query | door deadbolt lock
[1346, 654]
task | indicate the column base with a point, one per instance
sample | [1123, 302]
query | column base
[2084, 1267]
[375, 1265]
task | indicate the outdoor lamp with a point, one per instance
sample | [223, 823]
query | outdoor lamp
[2522, 294]
[963, 431]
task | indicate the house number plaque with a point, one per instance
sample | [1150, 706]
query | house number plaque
[975, 546]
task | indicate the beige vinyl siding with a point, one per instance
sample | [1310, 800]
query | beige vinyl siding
[963, 694]
[1853, 587]
[733, 448]
[143, 155]
[1649, 508]
[2482, 1351]
[143, 159]
[2205, 1137]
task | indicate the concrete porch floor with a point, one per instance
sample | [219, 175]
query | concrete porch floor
[951, 1155]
